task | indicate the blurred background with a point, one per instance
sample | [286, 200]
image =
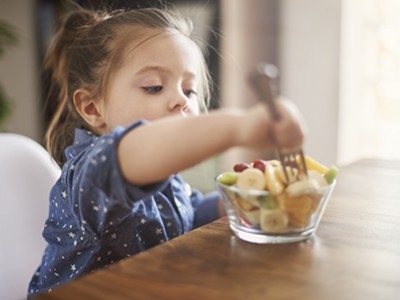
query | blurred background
[339, 61]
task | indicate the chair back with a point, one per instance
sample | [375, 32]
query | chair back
[27, 174]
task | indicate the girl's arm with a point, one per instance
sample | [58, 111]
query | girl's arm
[167, 146]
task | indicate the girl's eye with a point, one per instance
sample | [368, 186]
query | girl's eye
[153, 89]
[189, 92]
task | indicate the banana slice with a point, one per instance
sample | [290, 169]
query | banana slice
[251, 179]
[271, 181]
[245, 205]
[304, 186]
[273, 220]
[291, 172]
[251, 217]
[313, 164]
[318, 177]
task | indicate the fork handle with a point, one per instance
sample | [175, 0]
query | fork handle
[260, 81]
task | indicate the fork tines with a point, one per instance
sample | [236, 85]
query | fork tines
[293, 164]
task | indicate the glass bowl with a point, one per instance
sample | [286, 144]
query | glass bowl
[257, 216]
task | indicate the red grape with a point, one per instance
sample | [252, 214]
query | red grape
[259, 164]
[240, 167]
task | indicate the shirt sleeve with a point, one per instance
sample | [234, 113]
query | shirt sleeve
[103, 169]
[206, 207]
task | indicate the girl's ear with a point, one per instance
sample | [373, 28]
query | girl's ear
[88, 108]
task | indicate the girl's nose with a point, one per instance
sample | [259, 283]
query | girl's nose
[178, 103]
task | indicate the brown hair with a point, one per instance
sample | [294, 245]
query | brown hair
[88, 47]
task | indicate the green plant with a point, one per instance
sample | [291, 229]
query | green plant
[8, 37]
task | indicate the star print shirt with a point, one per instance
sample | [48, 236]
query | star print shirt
[97, 218]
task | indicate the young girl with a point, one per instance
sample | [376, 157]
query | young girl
[131, 86]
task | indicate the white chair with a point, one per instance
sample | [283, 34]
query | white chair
[27, 174]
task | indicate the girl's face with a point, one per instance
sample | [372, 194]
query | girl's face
[158, 78]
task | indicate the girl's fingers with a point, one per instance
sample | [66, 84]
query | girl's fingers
[289, 130]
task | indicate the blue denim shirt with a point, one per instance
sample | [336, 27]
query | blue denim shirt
[96, 218]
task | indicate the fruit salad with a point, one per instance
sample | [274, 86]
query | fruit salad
[264, 199]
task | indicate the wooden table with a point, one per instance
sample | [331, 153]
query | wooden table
[354, 255]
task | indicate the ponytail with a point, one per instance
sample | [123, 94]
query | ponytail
[65, 118]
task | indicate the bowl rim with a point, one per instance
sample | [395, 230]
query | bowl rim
[259, 192]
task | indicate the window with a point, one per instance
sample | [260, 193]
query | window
[370, 80]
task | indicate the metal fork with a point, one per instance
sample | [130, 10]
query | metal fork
[291, 159]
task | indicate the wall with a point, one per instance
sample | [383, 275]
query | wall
[19, 71]
[369, 80]
[309, 63]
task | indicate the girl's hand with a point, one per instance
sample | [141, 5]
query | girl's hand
[258, 129]
[288, 131]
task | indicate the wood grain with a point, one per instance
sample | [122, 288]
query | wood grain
[354, 255]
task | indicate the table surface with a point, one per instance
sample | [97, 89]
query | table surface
[355, 254]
